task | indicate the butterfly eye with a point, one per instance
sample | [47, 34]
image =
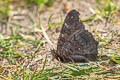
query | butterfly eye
[62, 35]
[66, 25]
[72, 17]
[78, 48]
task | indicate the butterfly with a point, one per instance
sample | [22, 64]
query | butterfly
[75, 44]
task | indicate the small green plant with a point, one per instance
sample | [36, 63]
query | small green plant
[50, 24]
[108, 8]
[105, 10]
[4, 9]
[8, 48]
[42, 2]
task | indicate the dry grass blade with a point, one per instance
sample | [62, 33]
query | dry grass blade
[46, 36]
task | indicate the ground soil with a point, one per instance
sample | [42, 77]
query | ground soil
[28, 16]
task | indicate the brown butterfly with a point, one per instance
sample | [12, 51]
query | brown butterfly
[75, 44]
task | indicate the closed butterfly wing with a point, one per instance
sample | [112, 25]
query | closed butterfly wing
[75, 43]
[71, 24]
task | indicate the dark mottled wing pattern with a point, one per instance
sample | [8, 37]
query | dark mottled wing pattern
[75, 43]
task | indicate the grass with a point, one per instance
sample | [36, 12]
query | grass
[5, 7]
[42, 2]
[50, 24]
[106, 9]
[70, 72]
[17, 60]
